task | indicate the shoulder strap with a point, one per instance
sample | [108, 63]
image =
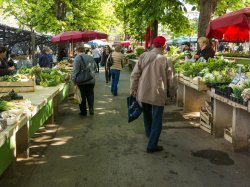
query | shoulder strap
[110, 57]
[157, 56]
[83, 62]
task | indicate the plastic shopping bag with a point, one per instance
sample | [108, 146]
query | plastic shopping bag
[134, 109]
[77, 95]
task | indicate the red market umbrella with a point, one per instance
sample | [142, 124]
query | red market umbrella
[78, 36]
[147, 37]
[91, 35]
[234, 26]
[67, 36]
[125, 43]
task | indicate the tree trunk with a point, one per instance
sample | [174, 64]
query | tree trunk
[207, 8]
[60, 9]
[33, 46]
[154, 32]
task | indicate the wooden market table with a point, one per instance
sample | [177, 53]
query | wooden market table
[131, 63]
[14, 140]
[225, 112]
[191, 95]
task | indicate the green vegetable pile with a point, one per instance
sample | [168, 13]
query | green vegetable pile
[4, 105]
[238, 89]
[139, 51]
[235, 54]
[9, 78]
[52, 77]
[222, 77]
[190, 68]
[24, 70]
[200, 69]
[131, 56]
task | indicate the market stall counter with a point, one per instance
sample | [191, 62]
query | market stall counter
[231, 115]
[191, 94]
[14, 140]
[131, 63]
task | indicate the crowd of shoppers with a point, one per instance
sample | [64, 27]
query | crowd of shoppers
[151, 79]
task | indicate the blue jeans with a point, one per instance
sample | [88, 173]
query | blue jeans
[115, 75]
[152, 123]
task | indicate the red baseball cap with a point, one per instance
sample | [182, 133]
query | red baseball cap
[159, 41]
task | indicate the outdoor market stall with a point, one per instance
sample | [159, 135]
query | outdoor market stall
[14, 140]
[22, 118]
[204, 88]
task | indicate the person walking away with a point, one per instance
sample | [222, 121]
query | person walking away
[149, 84]
[86, 88]
[104, 58]
[118, 63]
[97, 56]
[206, 51]
[5, 68]
[44, 60]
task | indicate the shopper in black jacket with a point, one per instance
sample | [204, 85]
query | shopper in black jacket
[5, 69]
[205, 51]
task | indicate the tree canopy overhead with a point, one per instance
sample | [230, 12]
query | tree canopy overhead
[209, 8]
[60, 15]
[133, 16]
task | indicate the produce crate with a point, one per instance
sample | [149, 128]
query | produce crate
[206, 121]
[228, 134]
[208, 107]
[19, 86]
[197, 84]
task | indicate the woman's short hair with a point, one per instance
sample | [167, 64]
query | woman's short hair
[118, 48]
[203, 40]
[3, 49]
[80, 49]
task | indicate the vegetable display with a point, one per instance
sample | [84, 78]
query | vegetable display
[219, 74]
[52, 77]
[4, 105]
[9, 78]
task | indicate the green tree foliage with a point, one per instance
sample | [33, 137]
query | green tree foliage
[208, 8]
[138, 14]
[60, 15]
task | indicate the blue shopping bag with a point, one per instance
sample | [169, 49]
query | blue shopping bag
[134, 109]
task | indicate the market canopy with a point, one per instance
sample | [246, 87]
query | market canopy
[78, 36]
[92, 35]
[181, 40]
[234, 26]
[125, 43]
[66, 36]
[97, 43]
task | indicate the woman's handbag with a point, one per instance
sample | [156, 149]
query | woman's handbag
[134, 109]
[84, 75]
[109, 60]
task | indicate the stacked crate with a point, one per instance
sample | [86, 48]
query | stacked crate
[206, 118]
[228, 134]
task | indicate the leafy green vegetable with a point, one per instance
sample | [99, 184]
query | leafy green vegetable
[8, 78]
[24, 70]
[4, 105]
[52, 77]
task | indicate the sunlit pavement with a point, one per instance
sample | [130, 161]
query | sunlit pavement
[104, 150]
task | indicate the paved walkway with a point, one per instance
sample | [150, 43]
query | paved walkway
[105, 151]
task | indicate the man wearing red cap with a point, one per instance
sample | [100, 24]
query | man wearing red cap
[149, 85]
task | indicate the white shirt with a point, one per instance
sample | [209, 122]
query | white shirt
[96, 53]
